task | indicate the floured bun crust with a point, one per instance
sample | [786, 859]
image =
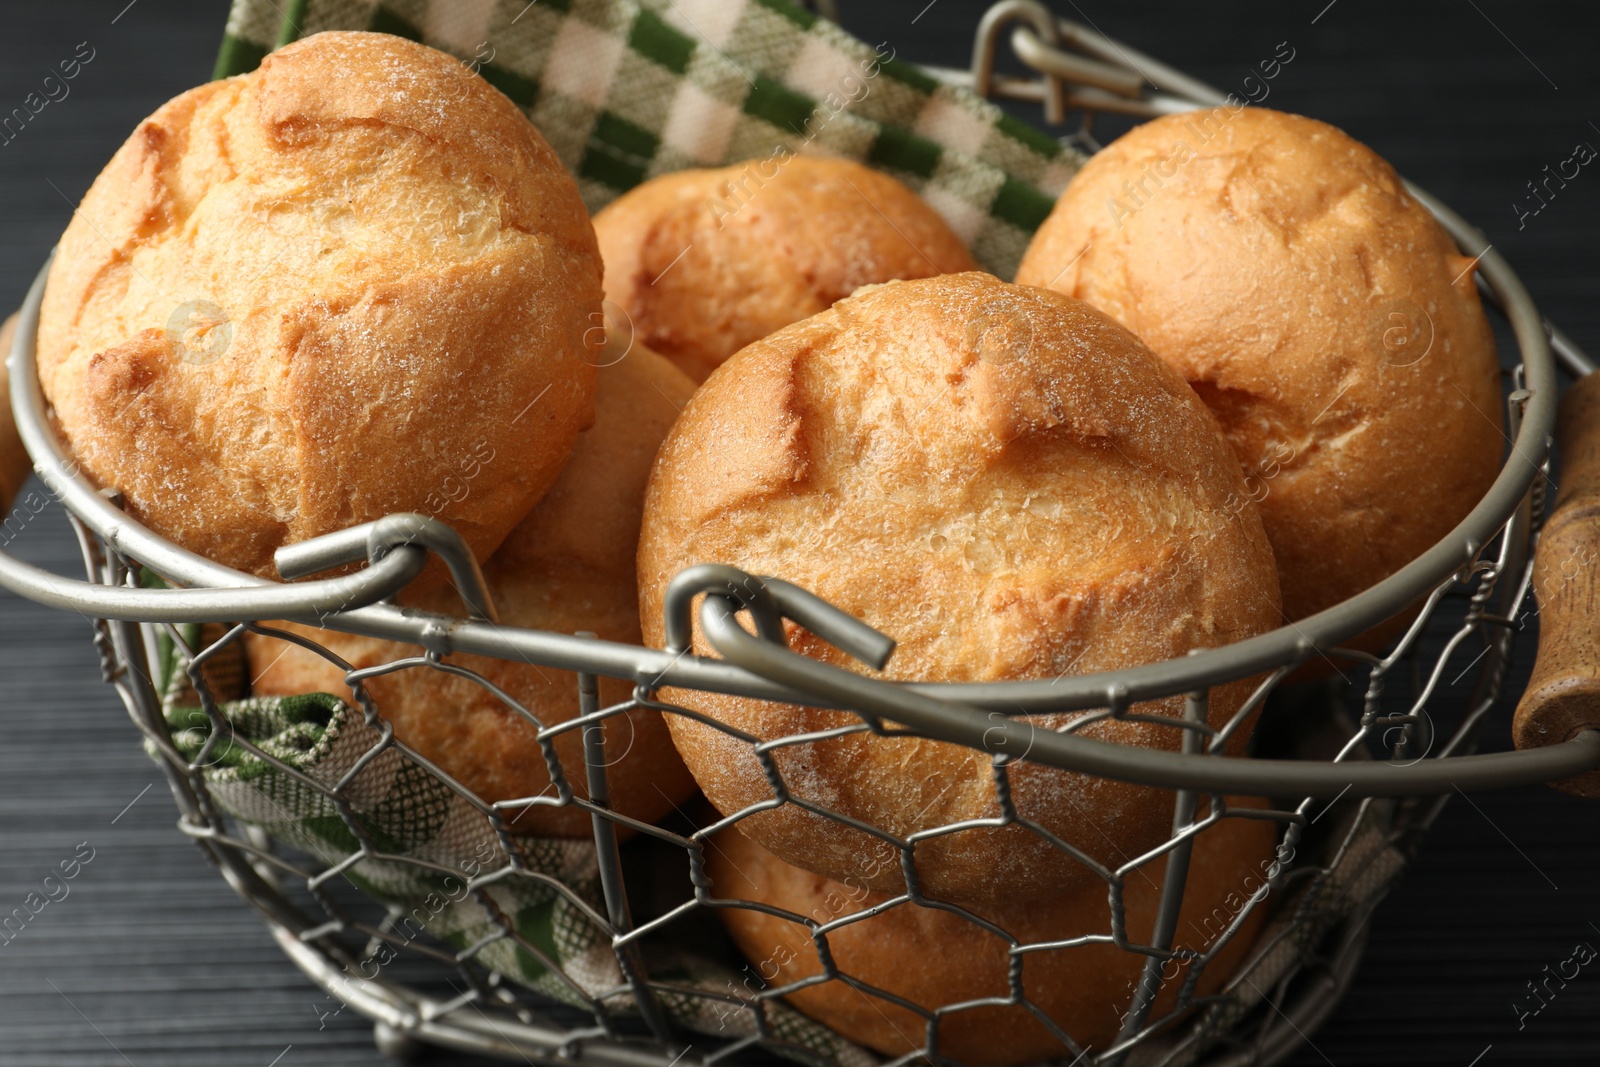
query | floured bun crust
[1321, 312]
[933, 957]
[14, 463]
[1010, 485]
[706, 261]
[298, 299]
[568, 567]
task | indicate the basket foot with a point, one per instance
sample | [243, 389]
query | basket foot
[396, 1044]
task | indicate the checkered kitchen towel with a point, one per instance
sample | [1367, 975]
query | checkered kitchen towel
[626, 90]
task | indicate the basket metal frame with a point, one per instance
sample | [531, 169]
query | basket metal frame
[395, 550]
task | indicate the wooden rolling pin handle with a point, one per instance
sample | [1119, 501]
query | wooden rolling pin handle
[1563, 695]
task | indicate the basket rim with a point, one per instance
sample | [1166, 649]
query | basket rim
[1282, 647]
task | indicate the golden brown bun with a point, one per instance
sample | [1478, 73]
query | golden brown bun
[14, 463]
[591, 516]
[1006, 482]
[757, 246]
[405, 269]
[568, 567]
[934, 957]
[1287, 275]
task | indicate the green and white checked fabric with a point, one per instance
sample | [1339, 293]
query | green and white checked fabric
[554, 903]
[626, 90]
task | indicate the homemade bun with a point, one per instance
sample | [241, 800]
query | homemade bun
[933, 957]
[706, 261]
[568, 567]
[1010, 485]
[298, 299]
[14, 463]
[1320, 311]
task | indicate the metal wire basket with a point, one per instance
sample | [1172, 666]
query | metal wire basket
[1406, 740]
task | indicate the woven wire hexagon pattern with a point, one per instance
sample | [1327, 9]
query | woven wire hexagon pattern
[417, 902]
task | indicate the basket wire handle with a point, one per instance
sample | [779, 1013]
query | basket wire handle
[966, 724]
[769, 601]
[1038, 16]
[326, 597]
[371, 541]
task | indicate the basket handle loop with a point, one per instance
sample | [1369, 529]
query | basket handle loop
[1003, 14]
[371, 541]
[769, 601]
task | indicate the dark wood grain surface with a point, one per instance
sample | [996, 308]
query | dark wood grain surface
[150, 959]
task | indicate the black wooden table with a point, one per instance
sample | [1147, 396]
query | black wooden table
[150, 960]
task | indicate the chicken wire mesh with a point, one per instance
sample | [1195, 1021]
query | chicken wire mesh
[411, 900]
